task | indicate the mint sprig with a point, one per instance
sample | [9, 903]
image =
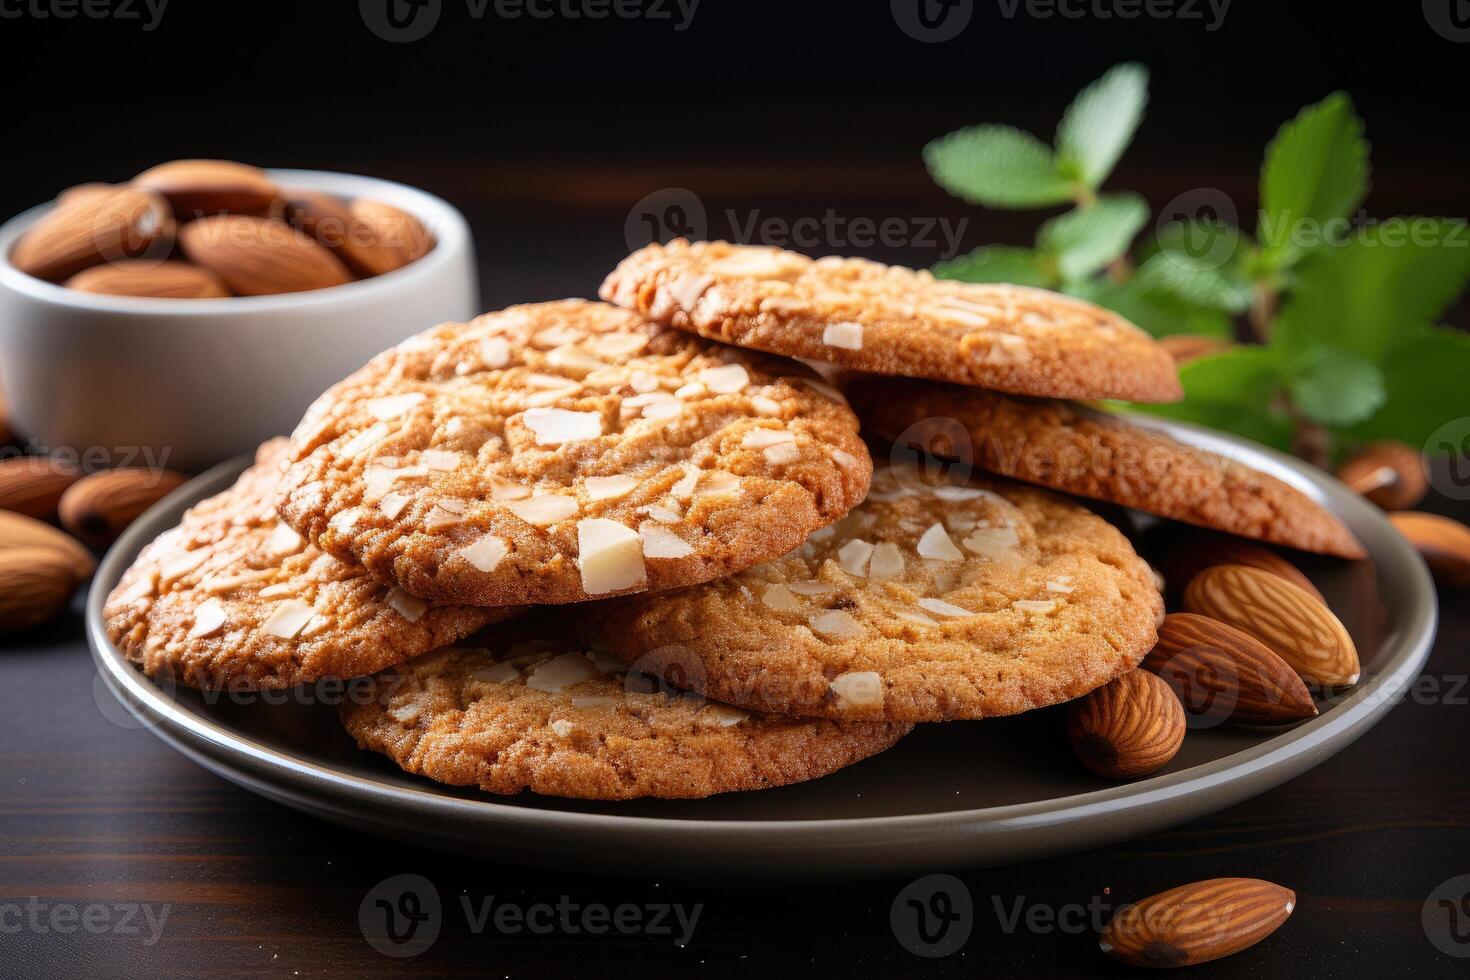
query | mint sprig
[1099, 124]
[999, 167]
[1340, 315]
[1315, 172]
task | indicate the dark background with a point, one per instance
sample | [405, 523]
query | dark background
[546, 133]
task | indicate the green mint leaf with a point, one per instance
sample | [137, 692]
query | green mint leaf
[1159, 313]
[999, 263]
[1084, 240]
[1316, 171]
[999, 167]
[1237, 391]
[1425, 379]
[1099, 124]
[1336, 388]
[1376, 290]
[1194, 282]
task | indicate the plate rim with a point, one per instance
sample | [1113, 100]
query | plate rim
[1333, 730]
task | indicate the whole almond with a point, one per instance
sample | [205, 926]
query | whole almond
[1187, 553]
[1296, 625]
[93, 228]
[195, 188]
[81, 192]
[1129, 727]
[1198, 922]
[329, 220]
[387, 237]
[35, 584]
[1391, 474]
[99, 507]
[32, 485]
[260, 256]
[17, 531]
[1185, 347]
[1221, 673]
[133, 277]
[1443, 543]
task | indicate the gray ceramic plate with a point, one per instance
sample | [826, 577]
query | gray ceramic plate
[947, 797]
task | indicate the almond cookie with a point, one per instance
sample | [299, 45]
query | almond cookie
[555, 452]
[1070, 447]
[892, 320]
[234, 599]
[927, 603]
[555, 717]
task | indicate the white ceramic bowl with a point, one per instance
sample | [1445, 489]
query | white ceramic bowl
[189, 382]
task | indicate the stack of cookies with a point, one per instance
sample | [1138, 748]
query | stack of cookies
[637, 548]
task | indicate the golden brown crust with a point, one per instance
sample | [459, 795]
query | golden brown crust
[925, 604]
[210, 603]
[527, 431]
[466, 716]
[895, 321]
[1079, 450]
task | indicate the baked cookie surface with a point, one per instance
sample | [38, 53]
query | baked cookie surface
[561, 451]
[1079, 450]
[232, 598]
[927, 603]
[896, 321]
[552, 717]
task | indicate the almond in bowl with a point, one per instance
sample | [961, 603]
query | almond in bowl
[205, 229]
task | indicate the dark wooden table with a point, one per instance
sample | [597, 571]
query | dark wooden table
[102, 825]
[119, 857]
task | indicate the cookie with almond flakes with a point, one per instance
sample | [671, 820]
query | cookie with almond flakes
[895, 321]
[557, 452]
[233, 599]
[926, 603]
[1080, 450]
[556, 717]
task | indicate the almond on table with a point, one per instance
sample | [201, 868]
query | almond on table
[100, 506]
[33, 485]
[1198, 922]
[35, 584]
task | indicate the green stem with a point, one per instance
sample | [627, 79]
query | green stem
[1121, 268]
[1262, 313]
